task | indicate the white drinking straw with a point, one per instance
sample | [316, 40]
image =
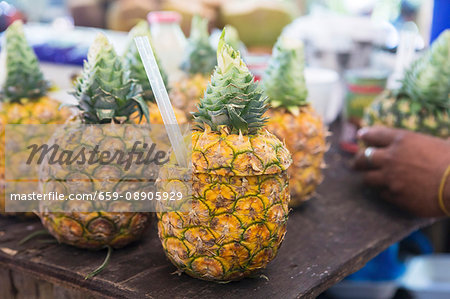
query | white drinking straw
[405, 55]
[162, 99]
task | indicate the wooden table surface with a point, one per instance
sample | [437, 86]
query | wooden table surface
[329, 238]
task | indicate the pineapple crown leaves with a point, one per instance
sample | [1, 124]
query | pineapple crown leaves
[133, 61]
[233, 99]
[284, 81]
[200, 56]
[232, 37]
[105, 91]
[427, 81]
[23, 78]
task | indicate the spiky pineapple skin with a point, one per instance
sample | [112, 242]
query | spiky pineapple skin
[44, 110]
[101, 227]
[400, 112]
[96, 230]
[305, 137]
[236, 220]
[186, 93]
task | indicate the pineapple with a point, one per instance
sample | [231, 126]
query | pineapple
[107, 98]
[422, 103]
[137, 72]
[292, 118]
[235, 220]
[23, 97]
[198, 64]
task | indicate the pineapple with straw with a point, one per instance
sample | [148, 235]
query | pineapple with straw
[235, 221]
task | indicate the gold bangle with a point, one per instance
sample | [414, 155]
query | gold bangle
[441, 191]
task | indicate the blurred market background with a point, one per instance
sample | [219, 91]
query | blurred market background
[354, 49]
[340, 35]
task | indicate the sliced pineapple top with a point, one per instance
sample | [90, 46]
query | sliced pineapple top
[22, 77]
[134, 63]
[284, 81]
[233, 99]
[224, 154]
[200, 56]
[427, 81]
[105, 91]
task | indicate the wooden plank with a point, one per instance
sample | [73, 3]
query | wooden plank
[328, 238]
[20, 285]
[7, 289]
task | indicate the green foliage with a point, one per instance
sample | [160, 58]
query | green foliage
[200, 56]
[427, 81]
[105, 91]
[284, 81]
[232, 99]
[24, 78]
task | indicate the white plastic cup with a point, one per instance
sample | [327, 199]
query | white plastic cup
[324, 92]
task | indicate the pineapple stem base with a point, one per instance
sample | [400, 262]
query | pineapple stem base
[103, 265]
[33, 235]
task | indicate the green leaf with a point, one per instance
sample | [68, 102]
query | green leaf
[105, 91]
[24, 78]
[143, 107]
[232, 99]
[283, 80]
[200, 56]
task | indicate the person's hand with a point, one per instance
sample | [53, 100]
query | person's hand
[407, 166]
